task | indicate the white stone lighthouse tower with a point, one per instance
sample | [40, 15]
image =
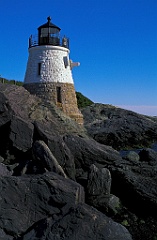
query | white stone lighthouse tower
[48, 74]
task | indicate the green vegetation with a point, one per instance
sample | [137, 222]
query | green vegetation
[83, 101]
[125, 223]
[4, 80]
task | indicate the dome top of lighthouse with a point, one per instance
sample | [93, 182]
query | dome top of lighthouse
[50, 25]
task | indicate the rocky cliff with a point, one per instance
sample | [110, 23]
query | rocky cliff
[57, 182]
[122, 129]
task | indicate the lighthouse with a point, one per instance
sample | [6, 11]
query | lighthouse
[49, 70]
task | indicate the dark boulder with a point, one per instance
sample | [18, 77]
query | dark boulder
[98, 191]
[15, 126]
[99, 181]
[136, 185]
[26, 200]
[148, 155]
[132, 156]
[15, 101]
[79, 223]
[21, 134]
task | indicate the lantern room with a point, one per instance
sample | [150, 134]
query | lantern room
[48, 34]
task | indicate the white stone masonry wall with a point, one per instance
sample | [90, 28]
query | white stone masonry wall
[55, 65]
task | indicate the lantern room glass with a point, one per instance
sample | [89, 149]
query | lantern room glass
[49, 34]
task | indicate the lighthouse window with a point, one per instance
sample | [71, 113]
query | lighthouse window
[39, 68]
[58, 91]
[66, 62]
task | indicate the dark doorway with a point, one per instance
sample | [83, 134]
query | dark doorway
[59, 97]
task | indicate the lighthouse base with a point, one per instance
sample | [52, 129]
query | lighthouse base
[61, 94]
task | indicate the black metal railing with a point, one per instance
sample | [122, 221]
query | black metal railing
[34, 40]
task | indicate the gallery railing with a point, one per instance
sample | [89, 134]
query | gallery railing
[48, 40]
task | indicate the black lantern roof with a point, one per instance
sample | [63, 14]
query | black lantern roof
[49, 24]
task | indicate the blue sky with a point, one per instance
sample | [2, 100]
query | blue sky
[114, 40]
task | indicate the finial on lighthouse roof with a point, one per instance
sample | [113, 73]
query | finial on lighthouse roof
[49, 24]
[49, 19]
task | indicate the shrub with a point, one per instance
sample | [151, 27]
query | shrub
[83, 101]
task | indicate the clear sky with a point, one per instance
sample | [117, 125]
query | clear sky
[114, 40]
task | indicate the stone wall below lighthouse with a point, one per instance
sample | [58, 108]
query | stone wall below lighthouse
[61, 94]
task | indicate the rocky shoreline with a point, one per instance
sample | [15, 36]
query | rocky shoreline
[58, 182]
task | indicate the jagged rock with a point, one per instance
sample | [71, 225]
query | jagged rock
[79, 223]
[98, 190]
[47, 207]
[112, 205]
[58, 148]
[75, 152]
[86, 152]
[99, 181]
[67, 141]
[45, 157]
[63, 155]
[26, 200]
[118, 127]
[15, 101]
[21, 134]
